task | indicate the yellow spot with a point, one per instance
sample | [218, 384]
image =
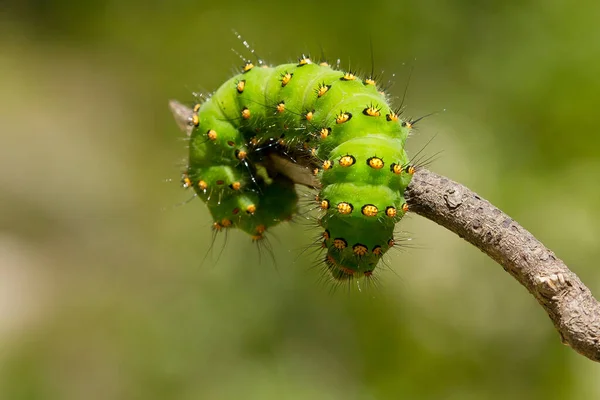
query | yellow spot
[396, 168]
[316, 171]
[241, 85]
[260, 229]
[326, 235]
[254, 141]
[251, 209]
[392, 116]
[324, 64]
[202, 185]
[197, 107]
[313, 152]
[256, 238]
[322, 89]
[236, 185]
[245, 113]
[343, 117]
[377, 250]
[369, 210]
[405, 207]
[281, 107]
[326, 164]
[248, 66]
[325, 204]
[348, 76]
[304, 60]
[309, 115]
[407, 124]
[195, 120]
[344, 208]
[240, 154]
[372, 111]
[217, 226]
[281, 142]
[339, 243]
[186, 181]
[369, 81]
[286, 78]
[212, 135]
[360, 249]
[264, 66]
[226, 223]
[391, 243]
[410, 169]
[325, 132]
[375, 162]
[347, 160]
[390, 211]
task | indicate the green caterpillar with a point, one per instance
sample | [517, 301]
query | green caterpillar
[340, 126]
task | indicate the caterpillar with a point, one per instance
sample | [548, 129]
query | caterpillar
[332, 124]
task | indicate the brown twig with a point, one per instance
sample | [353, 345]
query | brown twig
[569, 303]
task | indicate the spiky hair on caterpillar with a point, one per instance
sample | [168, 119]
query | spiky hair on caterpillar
[270, 127]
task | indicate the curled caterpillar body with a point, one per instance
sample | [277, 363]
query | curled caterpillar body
[338, 125]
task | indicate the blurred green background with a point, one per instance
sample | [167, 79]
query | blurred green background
[102, 295]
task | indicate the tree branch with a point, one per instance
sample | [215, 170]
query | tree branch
[569, 303]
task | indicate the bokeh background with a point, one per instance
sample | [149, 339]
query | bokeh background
[103, 293]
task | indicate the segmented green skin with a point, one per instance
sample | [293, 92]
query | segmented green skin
[363, 136]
